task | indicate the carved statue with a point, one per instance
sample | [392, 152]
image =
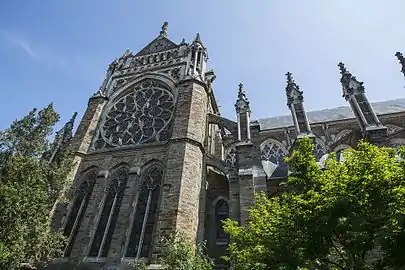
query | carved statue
[163, 32]
[401, 60]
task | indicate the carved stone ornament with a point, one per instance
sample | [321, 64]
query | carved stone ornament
[144, 115]
[230, 158]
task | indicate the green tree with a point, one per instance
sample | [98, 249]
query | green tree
[179, 253]
[29, 186]
[350, 215]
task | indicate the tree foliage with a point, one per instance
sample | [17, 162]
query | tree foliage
[350, 215]
[29, 186]
[179, 253]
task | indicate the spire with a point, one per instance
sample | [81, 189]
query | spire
[401, 60]
[350, 85]
[294, 94]
[62, 141]
[163, 32]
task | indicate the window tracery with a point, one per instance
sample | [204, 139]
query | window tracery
[230, 157]
[109, 215]
[273, 151]
[78, 209]
[142, 116]
[141, 237]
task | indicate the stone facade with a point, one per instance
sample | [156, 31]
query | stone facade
[153, 155]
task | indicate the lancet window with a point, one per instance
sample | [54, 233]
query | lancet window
[141, 237]
[78, 209]
[221, 213]
[109, 215]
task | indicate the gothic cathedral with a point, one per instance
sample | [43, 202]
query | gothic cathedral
[152, 154]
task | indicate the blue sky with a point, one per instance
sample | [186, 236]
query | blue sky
[58, 51]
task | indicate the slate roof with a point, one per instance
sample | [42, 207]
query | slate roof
[327, 115]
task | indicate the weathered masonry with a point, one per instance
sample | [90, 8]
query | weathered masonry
[153, 154]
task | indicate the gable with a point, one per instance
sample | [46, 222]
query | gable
[157, 45]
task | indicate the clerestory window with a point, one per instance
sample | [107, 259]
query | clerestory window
[141, 237]
[109, 215]
[78, 209]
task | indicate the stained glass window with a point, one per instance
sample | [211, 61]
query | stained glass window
[141, 238]
[78, 210]
[109, 215]
[144, 115]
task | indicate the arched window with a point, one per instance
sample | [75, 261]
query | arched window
[221, 213]
[106, 225]
[273, 151]
[140, 240]
[80, 202]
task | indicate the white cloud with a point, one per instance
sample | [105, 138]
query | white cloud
[35, 51]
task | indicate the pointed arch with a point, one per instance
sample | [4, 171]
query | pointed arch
[109, 213]
[339, 150]
[221, 212]
[78, 208]
[273, 151]
[145, 216]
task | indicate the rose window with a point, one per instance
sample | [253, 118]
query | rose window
[142, 116]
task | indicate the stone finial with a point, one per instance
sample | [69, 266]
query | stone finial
[163, 32]
[242, 103]
[350, 85]
[183, 41]
[401, 60]
[342, 68]
[197, 40]
[294, 94]
[241, 92]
